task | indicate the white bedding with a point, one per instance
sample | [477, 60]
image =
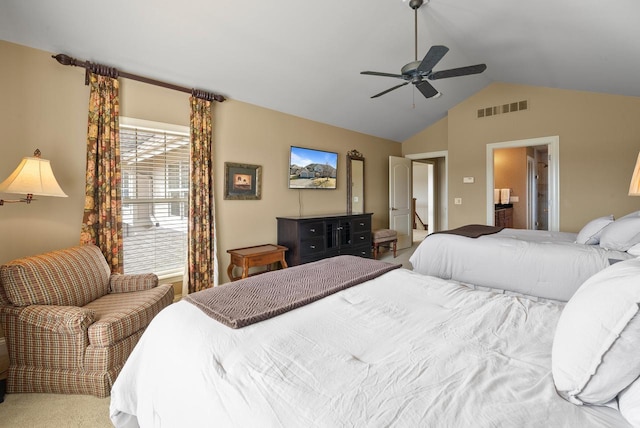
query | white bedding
[531, 262]
[402, 350]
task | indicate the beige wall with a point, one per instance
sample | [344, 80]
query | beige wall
[434, 138]
[44, 105]
[599, 142]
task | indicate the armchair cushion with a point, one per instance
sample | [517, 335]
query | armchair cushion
[58, 319]
[70, 277]
[128, 283]
[119, 315]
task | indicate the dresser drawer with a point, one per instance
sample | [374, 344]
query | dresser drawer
[311, 230]
[359, 250]
[311, 246]
[361, 224]
[362, 238]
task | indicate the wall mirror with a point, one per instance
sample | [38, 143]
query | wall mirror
[355, 182]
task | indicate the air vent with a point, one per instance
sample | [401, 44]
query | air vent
[504, 108]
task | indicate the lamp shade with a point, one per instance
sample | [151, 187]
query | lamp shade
[634, 187]
[33, 176]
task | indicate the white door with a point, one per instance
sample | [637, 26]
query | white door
[400, 200]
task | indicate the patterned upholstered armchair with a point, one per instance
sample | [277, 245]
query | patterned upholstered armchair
[69, 323]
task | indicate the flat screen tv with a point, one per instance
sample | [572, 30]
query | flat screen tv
[312, 169]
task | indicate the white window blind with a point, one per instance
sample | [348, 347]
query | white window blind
[155, 190]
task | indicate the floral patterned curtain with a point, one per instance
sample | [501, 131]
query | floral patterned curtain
[202, 263]
[102, 222]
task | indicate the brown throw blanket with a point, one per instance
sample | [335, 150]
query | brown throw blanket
[261, 297]
[472, 230]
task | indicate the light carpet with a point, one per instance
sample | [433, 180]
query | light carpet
[54, 410]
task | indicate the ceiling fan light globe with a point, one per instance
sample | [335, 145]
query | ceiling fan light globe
[410, 69]
[414, 4]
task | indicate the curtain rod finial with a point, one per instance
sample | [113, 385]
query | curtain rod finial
[64, 59]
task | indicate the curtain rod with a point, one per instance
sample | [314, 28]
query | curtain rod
[114, 73]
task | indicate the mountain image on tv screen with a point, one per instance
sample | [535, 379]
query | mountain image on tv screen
[312, 169]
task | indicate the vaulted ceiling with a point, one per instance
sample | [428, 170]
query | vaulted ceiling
[305, 58]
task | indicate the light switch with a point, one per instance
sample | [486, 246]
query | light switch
[457, 201]
[468, 180]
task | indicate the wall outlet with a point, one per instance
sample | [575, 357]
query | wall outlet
[457, 201]
[514, 199]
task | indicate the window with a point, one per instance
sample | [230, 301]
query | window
[154, 159]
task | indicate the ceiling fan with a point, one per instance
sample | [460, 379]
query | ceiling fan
[417, 71]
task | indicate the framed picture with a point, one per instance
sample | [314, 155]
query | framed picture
[242, 181]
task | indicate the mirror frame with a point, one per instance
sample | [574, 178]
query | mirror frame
[351, 156]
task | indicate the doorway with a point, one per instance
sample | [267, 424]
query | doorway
[535, 195]
[400, 194]
[423, 198]
[429, 192]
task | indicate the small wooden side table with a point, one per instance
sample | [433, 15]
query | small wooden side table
[259, 255]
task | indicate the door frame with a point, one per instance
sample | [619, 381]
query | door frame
[443, 208]
[532, 193]
[553, 144]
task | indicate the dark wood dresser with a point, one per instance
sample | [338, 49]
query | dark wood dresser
[312, 238]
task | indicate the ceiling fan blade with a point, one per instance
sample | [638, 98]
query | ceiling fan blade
[462, 71]
[427, 90]
[377, 73]
[390, 89]
[432, 57]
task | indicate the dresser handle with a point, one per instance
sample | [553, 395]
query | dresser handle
[312, 230]
[362, 238]
[361, 224]
[313, 247]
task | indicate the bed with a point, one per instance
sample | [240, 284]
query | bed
[398, 350]
[537, 263]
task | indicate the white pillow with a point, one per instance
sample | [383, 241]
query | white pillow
[634, 250]
[621, 235]
[597, 339]
[633, 214]
[629, 403]
[590, 233]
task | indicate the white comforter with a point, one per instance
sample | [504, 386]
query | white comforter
[531, 262]
[402, 350]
